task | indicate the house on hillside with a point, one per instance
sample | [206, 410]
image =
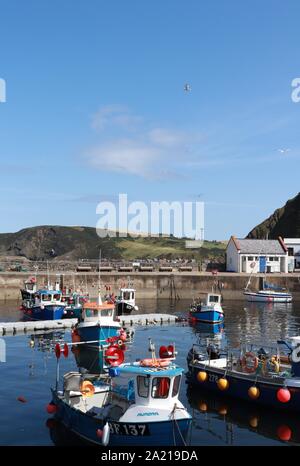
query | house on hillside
[256, 255]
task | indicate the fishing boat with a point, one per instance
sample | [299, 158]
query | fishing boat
[125, 301]
[210, 312]
[44, 305]
[268, 293]
[97, 324]
[74, 304]
[254, 374]
[135, 404]
[280, 295]
[27, 293]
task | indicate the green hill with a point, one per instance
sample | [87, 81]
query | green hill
[72, 243]
[284, 222]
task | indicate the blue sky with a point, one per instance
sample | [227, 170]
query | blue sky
[96, 106]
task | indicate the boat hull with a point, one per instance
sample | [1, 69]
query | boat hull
[97, 333]
[207, 316]
[142, 433]
[268, 298]
[238, 387]
[48, 312]
[124, 308]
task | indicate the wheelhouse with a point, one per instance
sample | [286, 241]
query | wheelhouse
[95, 312]
[47, 297]
[156, 387]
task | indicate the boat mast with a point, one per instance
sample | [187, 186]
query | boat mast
[99, 280]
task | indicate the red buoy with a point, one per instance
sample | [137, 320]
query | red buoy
[114, 356]
[284, 433]
[22, 399]
[283, 395]
[51, 408]
[57, 350]
[66, 350]
[99, 433]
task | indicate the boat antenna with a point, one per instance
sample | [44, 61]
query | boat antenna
[99, 280]
[48, 276]
[152, 349]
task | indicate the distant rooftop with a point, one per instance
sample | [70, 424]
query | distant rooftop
[259, 246]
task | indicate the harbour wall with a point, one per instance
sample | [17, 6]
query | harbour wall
[152, 285]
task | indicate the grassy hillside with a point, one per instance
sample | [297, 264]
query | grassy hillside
[72, 243]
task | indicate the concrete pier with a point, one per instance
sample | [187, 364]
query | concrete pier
[13, 328]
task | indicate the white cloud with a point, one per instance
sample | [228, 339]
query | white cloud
[126, 156]
[114, 115]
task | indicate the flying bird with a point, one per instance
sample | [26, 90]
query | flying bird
[283, 151]
[187, 87]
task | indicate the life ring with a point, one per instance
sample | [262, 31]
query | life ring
[244, 362]
[271, 365]
[154, 362]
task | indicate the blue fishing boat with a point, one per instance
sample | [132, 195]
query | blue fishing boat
[97, 325]
[136, 404]
[44, 305]
[258, 375]
[210, 312]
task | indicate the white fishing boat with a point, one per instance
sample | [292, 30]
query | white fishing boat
[125, 302]
[268, 296]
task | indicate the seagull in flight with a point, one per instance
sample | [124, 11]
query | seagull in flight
[283, 151]
[187, 87]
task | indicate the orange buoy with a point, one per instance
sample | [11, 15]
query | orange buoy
[202, 376]
[87, 388]
[253, 392]
[222, 383]
[202, 406]
[253, 421]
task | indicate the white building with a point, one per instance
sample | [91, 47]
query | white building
[293, 247]
[256, 255]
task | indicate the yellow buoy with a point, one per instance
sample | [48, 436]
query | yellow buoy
[253, 392]
[222, 383]
[202, 376]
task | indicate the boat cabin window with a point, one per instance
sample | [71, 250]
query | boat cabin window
[106, 312]
[126, 295]
[143, 386]
[56, 297]
[46, 297]
[176, 385]
[214, 299]
[160, 387]
[91, 312]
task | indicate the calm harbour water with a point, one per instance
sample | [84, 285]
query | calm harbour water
[29, 372]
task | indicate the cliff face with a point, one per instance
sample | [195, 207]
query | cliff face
[284, 222]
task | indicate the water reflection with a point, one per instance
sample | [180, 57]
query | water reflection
[213, 408]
